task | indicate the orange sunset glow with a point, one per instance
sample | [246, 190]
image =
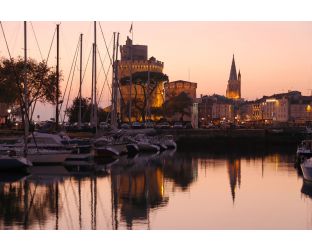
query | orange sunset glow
[271, 56]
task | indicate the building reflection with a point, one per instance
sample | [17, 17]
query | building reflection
[26, 203]
[136, 191]
[234, 170]
[181, 169]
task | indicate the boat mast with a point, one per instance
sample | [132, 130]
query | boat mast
[94, 82]
[80, 82]
[115, 80]
[113, 85]
[92, 85]
[26, 119]
[131, 58]
[57, 79]
[147, 110]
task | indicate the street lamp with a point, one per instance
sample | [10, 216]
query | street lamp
[9, 115]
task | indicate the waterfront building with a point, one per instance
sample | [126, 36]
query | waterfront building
[175, 88]
[300, 110]
[223, 112]
[215, 108]
[205, 109]
[134, 58]
[245, 111]
[233, 90]
[278, 108]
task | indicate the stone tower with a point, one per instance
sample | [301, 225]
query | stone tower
[233, 90]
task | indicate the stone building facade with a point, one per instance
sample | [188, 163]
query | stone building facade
[215, 108]
[300, 110]
[177, 87]
[133, 60]
[222, 111]
[284, 107]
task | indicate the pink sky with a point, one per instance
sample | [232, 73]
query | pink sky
[272, 56]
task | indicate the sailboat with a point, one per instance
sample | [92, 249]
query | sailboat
[41, 148]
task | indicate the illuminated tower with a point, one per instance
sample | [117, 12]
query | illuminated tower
[233, 90]
[134, 59]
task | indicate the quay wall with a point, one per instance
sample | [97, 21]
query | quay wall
[234, 139]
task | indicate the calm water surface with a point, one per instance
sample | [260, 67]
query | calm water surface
[173, 190]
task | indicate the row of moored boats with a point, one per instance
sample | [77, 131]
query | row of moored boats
[50, 149]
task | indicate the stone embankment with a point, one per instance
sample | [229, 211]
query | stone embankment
[253, 138]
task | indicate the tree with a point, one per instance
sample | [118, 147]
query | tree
[73, 111]
[180, 104]
[143, 89]
[41, 82]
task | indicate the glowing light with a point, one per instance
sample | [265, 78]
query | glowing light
[271, 100]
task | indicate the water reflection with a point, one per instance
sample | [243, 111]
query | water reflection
[24, 203]
[136, 191]
[182, 170]
[234, 170]
[129, 193]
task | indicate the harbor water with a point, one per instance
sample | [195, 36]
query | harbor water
[170, 190]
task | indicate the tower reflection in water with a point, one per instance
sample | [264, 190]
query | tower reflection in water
[234, 170]
[135, 192]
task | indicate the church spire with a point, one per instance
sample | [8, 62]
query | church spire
[233, 75]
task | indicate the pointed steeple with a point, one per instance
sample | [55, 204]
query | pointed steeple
[233, 75]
